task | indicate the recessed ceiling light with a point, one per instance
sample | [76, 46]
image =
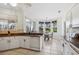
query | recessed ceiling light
[13, 4]
[5, 3]
[59, 11]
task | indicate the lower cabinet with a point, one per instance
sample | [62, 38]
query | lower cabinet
[19, 41]
[30, 42]
[20, 38]
[35, 43]
[23, 41]
[4, 43]
[14, 43]
[26, 41]
[8, 43]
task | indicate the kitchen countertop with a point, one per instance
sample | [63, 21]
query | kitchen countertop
[21, 34]
[75, 42]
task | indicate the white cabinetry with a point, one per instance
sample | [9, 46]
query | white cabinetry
[26, 42]
[8, 43]
[29, 42]
[4, 43]
[20, 38]
[23, 41]
[14, 43]
[35, 43]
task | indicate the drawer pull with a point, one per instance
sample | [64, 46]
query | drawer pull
[63, 44]
[9, 41]
[24, 40]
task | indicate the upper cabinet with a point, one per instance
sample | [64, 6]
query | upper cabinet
[72, 18]
[30, 25]
[6, 25]
[3, 25]
[75, 15]
[11, 25]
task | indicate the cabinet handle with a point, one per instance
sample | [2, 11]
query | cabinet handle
[24, 40]
[9, 41]
[63, 44]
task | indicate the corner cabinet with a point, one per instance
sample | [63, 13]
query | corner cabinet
[8, 43]
[14, 43]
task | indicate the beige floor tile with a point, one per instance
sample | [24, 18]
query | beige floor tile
[10, 53]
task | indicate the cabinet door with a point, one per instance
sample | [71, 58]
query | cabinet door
[35, 43]
[26, 42]
[1, 44]
[4, 43]
[17, 43]
[21, 41]
[14, 43]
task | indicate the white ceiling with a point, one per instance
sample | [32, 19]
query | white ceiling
[41, 11]
[49, 10]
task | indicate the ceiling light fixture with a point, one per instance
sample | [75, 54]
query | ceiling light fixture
[13, 4]
[5, 3]
[59, 11]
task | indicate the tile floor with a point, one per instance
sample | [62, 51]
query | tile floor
[51, 47]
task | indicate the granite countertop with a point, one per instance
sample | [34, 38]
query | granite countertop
[21, 34]
[75, 42]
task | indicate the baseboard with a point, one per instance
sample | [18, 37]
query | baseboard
[31, 49]
[10, 49]
[19, 48]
